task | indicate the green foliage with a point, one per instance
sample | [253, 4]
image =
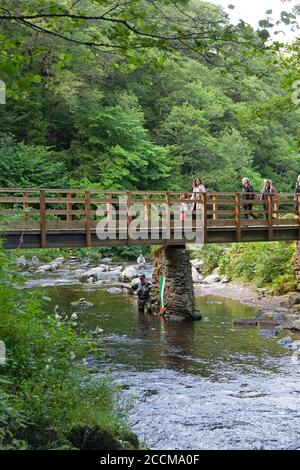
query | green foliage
[44, 388]
[25, 165]
[269, 265]
[266, 264]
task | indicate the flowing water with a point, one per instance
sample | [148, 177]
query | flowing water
[204, 385]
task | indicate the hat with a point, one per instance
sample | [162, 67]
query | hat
[142, 276]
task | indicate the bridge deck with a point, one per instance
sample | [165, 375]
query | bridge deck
[31, 218]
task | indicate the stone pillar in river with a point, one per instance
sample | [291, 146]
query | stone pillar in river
[179, 301]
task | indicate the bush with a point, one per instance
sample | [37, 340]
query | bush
[45, 390]
[268, 265]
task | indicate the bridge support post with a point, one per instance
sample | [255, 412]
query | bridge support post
[173, 263]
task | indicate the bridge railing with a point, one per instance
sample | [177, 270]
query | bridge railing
[34, 209]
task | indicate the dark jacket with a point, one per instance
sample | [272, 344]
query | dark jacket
[266, 191]
[297, 191]
[248, 193]
[142, 290]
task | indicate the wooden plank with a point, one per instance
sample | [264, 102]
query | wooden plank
[20, 199]
[43, 228]
[204, 201]
[270, 217]
[88, 236]
[69, 207]
[168, 218]
[25, 205]
[238, 217]
[129, 217]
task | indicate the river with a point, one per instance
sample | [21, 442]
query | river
[204, 385]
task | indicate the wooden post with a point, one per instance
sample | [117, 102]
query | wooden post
[69, 208]
[147, 213]
[238, 217]
[215, 207]
[270, 217]
[276, 207]
[204, 201]
[43, 233]
[25, 205]
[109, 208]
[88, 234]
[168, 218]
[129, 217]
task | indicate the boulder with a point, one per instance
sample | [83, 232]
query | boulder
[22, 262]
[268, 333]
[295, 345]
[295, 325]
[106, 276]
[294, 300]
[94, 273]
[195, 275]
[271, 318]
[295, 308]
[224, 280]
[82, 303]
[106, 260]
[285, 342]
[246, 322]
[45, 267]
[197, 264]
[34, 261]
[211, 279]
[128, 274]
[78, 273]
[114, 290]
[216, 271]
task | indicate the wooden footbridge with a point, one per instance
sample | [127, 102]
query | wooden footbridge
[32, 218]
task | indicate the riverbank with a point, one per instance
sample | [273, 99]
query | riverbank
[245, 294]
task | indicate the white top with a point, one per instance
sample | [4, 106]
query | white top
[196, 192]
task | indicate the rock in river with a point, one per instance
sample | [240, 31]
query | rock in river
[128, 274]
[246, 321]
[212, 278]
[81, 303]
[114, 290]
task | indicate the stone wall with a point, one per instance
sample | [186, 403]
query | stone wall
[173, 263]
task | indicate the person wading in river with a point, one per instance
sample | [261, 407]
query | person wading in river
[143, 290]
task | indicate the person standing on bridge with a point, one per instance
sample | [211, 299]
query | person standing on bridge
[248, 195]
[198, 189]
[297, 194]
[267, 189]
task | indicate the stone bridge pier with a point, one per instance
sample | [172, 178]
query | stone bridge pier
[173, 263]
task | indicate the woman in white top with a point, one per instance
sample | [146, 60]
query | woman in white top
[198, 188]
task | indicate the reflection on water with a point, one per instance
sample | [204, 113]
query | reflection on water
[204, 385]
